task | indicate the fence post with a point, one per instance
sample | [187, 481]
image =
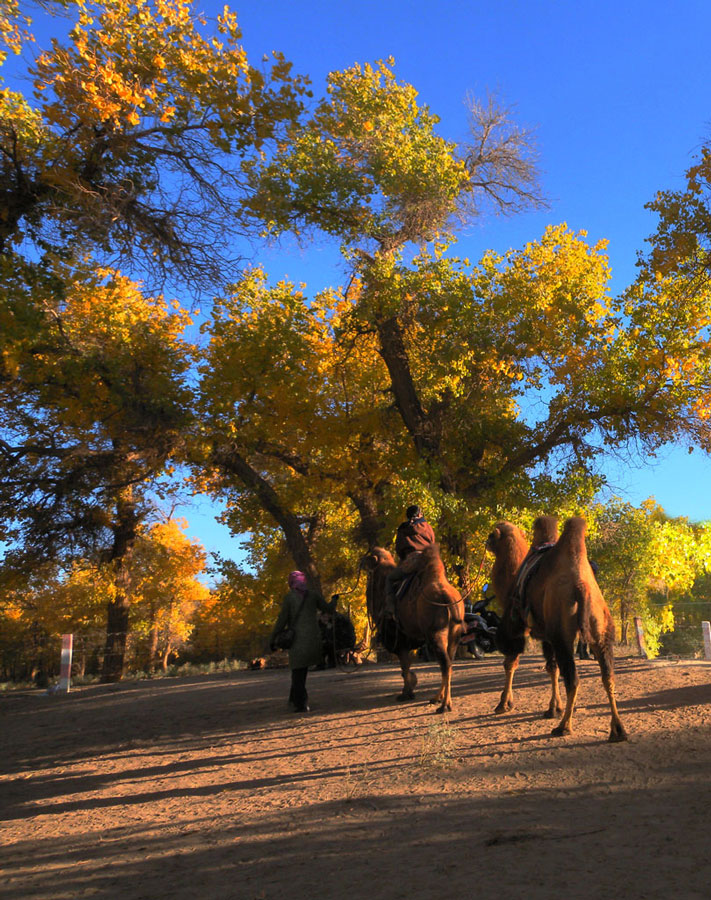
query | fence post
[65, 671]
[706, 631]
[640, 637]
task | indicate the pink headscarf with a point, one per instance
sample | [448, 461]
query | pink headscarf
[297, 581]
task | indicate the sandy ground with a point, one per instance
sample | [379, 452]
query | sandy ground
[210, 788]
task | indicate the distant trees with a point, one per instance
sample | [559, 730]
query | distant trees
[646, 561]
[166, 591]
[163, 586]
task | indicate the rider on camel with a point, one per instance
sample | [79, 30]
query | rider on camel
[412, 537]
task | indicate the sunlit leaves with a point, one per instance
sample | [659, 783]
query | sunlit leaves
[94, 399]
[166, 591]
[144, 115]
[368, 166]
[641, 555]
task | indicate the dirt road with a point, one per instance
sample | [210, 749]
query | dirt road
[210, 788]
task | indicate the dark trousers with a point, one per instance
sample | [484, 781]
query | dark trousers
[298, 696]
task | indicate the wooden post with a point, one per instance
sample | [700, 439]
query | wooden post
[65, 671]
[640, 637]
[706, 631]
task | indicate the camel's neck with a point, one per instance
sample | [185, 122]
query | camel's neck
[504, 573]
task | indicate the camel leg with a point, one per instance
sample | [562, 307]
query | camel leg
[566, 663]
[603, 654]
[444, 696]
[408, 677]
[510, 666]
[555, 707]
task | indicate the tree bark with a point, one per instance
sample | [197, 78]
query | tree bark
[624, 623]
[116, 635]
[153, 647]
[117, 613]
[425, 429]
[457, 545]
[370, 529]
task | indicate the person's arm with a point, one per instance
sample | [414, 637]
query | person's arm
[282, 620]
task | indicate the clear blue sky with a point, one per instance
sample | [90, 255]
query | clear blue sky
[618, 91]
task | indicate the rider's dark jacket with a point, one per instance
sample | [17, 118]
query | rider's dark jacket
[415, 534]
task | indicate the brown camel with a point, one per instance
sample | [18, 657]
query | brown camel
[550, 592]
[431, 611]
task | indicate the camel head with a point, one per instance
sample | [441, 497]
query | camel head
[505, 535]
[374, 558]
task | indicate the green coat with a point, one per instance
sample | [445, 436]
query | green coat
[306, 650]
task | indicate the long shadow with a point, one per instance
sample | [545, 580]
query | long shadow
[612, 843]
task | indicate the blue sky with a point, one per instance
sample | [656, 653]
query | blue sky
[618, 92]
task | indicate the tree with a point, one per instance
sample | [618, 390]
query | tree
[165, 588]
[237, 617]
[681, 244]
[510, 378]
[95, 405]
[642, 556]
[39, 605]
[134, 152]
[295, 424]
[372, 139]
[162, 583]
[369, 168]
[138, 144]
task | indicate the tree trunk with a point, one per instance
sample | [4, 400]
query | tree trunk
[117, 613]
[81, 662]
[370, 528]
[457, 545]
[153, 648]
[116, 635]
[624, 623]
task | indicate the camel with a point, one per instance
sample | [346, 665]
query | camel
[559, 600]
[431, 611]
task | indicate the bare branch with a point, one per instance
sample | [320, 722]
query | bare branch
[502, 160]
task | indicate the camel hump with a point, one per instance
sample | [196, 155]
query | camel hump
[545, 530]
[572, 540]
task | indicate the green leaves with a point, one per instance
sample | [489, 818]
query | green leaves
[367, 167]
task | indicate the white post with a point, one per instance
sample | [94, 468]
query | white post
[706, 631]
[65, 671]
[640, 637]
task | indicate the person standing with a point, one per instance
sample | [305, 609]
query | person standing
[299, 611]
